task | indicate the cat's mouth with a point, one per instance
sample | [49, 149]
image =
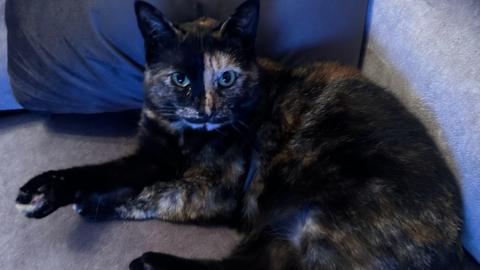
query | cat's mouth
[206, 125]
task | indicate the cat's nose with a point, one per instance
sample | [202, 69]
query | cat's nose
[210, 113]
[209, 103]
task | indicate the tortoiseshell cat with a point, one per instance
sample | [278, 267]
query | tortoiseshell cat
[319, 167]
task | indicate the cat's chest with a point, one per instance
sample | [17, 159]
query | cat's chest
[221, 157]
[195, 145]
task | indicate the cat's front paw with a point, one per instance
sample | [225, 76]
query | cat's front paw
[156, 261]
[143, 263]
[41, 195]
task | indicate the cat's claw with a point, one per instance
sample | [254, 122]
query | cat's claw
[38, 197]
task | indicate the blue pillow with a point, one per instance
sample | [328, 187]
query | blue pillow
[87, 56]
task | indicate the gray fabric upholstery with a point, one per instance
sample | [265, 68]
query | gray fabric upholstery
[427, 52]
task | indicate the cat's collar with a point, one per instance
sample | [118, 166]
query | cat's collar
[252, 170]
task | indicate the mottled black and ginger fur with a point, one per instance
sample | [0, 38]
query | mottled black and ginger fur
[319, 167]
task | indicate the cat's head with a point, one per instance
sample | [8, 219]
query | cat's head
[200, 74]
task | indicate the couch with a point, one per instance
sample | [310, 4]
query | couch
[425, 52]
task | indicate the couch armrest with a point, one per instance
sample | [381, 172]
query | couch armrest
[427, 52]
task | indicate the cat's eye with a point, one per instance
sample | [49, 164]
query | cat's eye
[227, 78]
[180, 79]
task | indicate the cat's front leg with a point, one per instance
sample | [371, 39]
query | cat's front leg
[185, 200]
[48, 191]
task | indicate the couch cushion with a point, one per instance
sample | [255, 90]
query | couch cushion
[427, 53]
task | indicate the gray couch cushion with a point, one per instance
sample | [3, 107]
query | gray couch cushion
[87, 56]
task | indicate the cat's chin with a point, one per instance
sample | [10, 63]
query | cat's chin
[208, 126]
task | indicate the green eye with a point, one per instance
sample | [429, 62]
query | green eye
[180, 79]
[227, 78]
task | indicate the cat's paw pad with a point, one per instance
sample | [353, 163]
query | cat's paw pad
[37, 198]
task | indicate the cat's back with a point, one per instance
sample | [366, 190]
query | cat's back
[330, 115]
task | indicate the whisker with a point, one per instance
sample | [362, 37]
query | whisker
[219, 131]
[236, 128]
[165, 110]
[166, 107]
[97, 209]
[243, 123]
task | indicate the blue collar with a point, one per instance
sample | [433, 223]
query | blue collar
[252, 169]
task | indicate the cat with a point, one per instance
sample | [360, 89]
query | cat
[319, 167]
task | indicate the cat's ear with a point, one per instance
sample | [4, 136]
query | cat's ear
[155, 27]
[243, 22]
